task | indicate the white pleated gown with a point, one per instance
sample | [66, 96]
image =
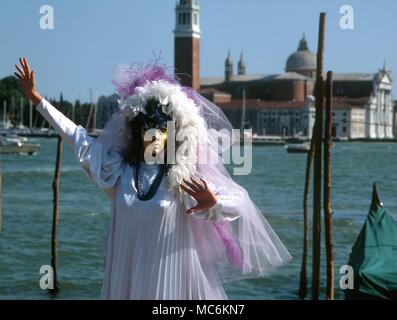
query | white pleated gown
[150, 251]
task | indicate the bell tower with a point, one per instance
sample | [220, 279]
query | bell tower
[241, 65]
[187, 42]
[228, 67]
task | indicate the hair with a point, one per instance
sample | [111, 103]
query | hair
[131, 156]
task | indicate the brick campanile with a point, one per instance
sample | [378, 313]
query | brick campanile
[187, 42]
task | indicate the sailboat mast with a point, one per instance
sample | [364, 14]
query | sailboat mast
[73, 106]
[4, 112]
[21, 121]
[95, 112]
[30, 114]
[89, 114]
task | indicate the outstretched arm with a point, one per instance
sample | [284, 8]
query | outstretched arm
[62, 124]
[101, 164]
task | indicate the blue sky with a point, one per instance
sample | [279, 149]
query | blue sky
[91, 37]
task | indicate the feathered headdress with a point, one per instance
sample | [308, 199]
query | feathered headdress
[138, 86]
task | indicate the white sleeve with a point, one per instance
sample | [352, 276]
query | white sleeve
[224, 210]
[62, 124]
[100, 164]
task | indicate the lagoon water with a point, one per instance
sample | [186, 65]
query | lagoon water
[275, 184]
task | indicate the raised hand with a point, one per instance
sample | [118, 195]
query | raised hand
[201, 193]
[27, 78]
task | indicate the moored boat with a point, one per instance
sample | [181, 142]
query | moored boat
[14, 144]
[298, 147]
[374, 256]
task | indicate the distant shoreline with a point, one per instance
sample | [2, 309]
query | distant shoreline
[54, 135]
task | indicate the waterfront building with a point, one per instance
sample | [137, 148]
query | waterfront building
[282, 104]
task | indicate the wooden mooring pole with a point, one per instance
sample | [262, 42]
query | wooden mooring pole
[327, 189]
[303, 274]
[315, 144]
[54, 240]
[317, 172]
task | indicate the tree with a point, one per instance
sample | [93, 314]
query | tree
[10, 87]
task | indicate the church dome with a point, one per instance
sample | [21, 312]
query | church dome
[302, 59]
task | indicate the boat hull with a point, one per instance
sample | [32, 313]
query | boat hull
[26, 148]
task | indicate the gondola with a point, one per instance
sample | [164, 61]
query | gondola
[374, 256]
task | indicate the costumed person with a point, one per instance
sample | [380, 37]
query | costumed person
[180, 225]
